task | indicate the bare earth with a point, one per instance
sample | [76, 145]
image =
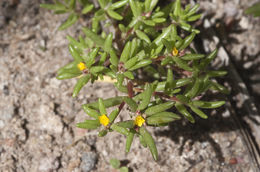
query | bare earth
[38, 114]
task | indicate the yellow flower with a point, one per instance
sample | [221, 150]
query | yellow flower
[175, 51]
[81, 66]
[139, 121]
[104, 120]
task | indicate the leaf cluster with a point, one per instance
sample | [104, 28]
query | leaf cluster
[145, 49]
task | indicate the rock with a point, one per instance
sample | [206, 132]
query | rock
[88, 161]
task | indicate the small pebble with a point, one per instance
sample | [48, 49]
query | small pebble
[88, 161]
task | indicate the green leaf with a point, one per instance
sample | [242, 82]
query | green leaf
[75, 43]
[125, 54]
[107, 102]
[113, 115]
[80, 83]
[149, 22]
[91, 112]
[131, 62]
[114, 15]
[182, 64]
[72, 4]
[90, 60]
[198, 112]
[115, 163]
[181, 108]
[174, 33]
[96, 69]
[147, 5]
[187, 41]
[178, 83]
[168, 45]
[192, 56]
[120, 78]
[68, 67]
[119, 4]
[126, 124]
[208, 105]
[177, 8]
[254, 9]
[69, 22]
[158, 108]
[204, 63]
[162, 118]
[193, 10]
[141, 64]
[87, 9]
[89, 124]
[134, 47]
[183, 99]
[119, 129]
[129, 75]
[102, 107]
[102, 133]
[164, 34]
[150, 4]
[153, 4]
[108, 43]
[62, 76]
[195, 88]
[124, 169]
[121, 88]
[122, 27]
[135, 8]
[113, 57]
[102, 58]
[185, 26]
[150, 142]
[170, 84]
[131, 103]
[94, 37]
[194, 18]
[56, 7]
[143, 36]
[220, 87]
[129, 140]
[69, 71]
[166, 60]
[216, 73]
[102, 3]
[148, 91]
[178, 44]
[142, 141]
[183, 81]
[157, 51]
[75, 54]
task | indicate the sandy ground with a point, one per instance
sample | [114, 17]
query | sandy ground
[38, 114]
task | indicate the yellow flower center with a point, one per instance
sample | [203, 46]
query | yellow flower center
[81, 66]
[175, 51]
[104, 120]
[139, 121]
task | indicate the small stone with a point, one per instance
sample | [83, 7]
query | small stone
[206, 23]
[247, 65]
[88, 161]
[226, 114]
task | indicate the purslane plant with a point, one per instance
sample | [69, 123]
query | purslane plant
[144, 47]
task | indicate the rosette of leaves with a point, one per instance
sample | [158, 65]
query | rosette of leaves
[148, 56]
